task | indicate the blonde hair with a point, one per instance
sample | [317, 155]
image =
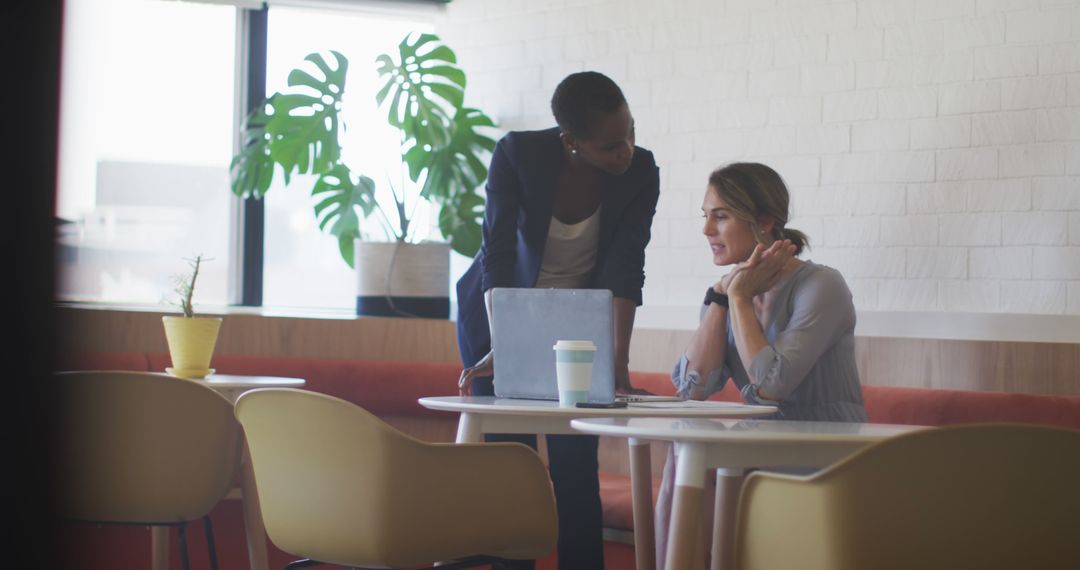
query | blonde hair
[753, 191]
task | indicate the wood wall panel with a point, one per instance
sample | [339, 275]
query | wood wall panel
[1029, 367]
[96, 330]
[1037, 368]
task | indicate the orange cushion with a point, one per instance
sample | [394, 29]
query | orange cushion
[379, 386]
[660, 383]
[935, 407]
[618, 502]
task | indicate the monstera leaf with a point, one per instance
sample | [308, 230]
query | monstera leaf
[443, 143]
[455, 167]
[459, 222]
[303, 129]
[252, 169]
[424, 88]
[339, 198]
[424, 92]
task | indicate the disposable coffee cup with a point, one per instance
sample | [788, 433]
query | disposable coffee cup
[573, 370]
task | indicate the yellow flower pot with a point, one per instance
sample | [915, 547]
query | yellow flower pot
[191, 344]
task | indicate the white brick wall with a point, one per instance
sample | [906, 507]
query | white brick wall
[970, 296]
[932, 146]
[937, 262]
[1034, 228]
[908, 295]
[1034, 297]
[1003, 195]
[1000, 263]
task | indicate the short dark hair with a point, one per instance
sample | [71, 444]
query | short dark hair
[580, 96]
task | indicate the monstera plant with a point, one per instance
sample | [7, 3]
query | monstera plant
[443, 146]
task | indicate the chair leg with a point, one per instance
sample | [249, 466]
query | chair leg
[210, 542]
[184, 562]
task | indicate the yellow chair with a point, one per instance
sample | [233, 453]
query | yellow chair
[339, 486]
[964, 497]
[143, 448]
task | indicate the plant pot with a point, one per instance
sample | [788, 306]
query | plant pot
[403, 279]
[191, 344]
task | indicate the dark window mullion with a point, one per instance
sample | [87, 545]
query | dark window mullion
[252, 210]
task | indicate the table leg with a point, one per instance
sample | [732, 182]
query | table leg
[641, 485]
[686, 506]
[159, 547]
[728, 486]
[468, 430]
[254, 529]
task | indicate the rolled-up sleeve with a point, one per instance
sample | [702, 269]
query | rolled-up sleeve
[689, 383]
[624, 269]
[500, 218]
[821, 311]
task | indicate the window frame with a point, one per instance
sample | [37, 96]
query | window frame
[249, 234]
[252, 45]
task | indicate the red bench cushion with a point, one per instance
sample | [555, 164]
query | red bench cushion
[935, 407]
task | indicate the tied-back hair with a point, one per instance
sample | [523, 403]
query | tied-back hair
[753, 191]
[580, 96]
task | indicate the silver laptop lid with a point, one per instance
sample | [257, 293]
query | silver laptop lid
[527, 322]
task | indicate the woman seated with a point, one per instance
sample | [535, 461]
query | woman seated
[781, 328]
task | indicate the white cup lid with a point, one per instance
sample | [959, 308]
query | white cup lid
[574, 345]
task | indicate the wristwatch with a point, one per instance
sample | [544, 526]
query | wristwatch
[711, 296]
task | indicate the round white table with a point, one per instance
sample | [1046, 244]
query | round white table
[488, 414]
[232, 386]
[731, 447]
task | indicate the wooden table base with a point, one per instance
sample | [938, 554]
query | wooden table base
[728, 486]
[644, 524]
[159, 547]
[684, 534]
[254, 529]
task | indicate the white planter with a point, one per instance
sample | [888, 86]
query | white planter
[403, 279]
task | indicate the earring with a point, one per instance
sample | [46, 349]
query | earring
[573, 151]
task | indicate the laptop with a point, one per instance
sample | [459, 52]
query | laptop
[525, 325]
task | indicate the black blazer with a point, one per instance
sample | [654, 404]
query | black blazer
[520, 192]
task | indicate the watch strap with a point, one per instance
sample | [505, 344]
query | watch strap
[711, 296]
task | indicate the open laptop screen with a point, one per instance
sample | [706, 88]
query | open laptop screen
[527, 322]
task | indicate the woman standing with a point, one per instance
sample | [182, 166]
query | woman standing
[567, 207]
[781, 328]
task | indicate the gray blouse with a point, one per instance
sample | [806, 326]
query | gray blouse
[809, 363]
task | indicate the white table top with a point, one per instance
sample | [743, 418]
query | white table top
[250, 382]
[740, 430]
[508, 406]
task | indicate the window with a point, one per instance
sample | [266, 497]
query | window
[146, 139]
[303, 267]
[148, 119]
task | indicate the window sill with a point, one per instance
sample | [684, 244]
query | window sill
[218, 310]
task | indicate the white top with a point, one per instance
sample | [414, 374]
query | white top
[570, 253]
[515, 406]
[748, 431]
[250, 382]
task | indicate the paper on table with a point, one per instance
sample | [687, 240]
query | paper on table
[686, 404]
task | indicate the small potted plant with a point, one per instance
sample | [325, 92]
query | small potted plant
[191, 339]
